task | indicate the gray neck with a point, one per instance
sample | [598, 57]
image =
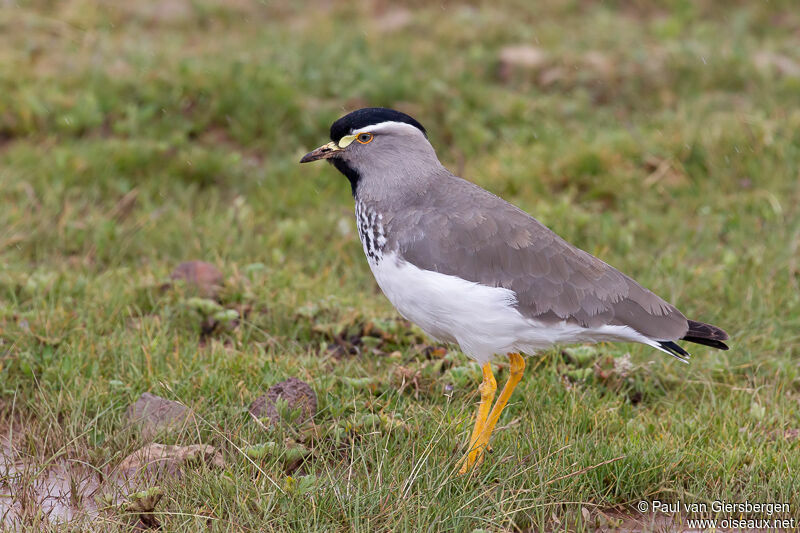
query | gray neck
[394, 179]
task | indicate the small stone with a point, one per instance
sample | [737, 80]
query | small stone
[156, 460]
[520, 57]
[552, 75]
[297, 394]
[154, 414]
[393, 20]
[600, 63]
[204, 277]
[784, 65]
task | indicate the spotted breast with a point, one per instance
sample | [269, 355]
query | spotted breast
[371, 232]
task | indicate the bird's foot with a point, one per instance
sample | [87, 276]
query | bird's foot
[487, 389]
[471, 460]
[486, 421]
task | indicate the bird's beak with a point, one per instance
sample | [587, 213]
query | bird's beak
[323, 152]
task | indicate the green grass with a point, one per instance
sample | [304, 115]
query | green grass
[666, 141]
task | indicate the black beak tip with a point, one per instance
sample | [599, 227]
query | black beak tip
[309, 157]
[323, 152]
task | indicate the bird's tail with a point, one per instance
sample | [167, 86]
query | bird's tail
[706, 334]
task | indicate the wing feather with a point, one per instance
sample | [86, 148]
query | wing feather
[480, 237]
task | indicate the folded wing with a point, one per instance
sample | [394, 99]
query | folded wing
[465, 231]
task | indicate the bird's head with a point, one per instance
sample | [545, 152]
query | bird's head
[377, 147]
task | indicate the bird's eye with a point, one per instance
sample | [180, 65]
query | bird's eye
[364, 138]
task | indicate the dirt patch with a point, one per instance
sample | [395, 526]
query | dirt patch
[293, 399]
[156, 460]
[375, 337]
[37, 494]
[204, 277]
[41, 493]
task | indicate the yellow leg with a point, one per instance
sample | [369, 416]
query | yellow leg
[487, 389]
[517, 367]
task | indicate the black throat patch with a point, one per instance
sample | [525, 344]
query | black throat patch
[350, 173]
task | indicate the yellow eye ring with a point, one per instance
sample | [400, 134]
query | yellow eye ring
[364, 138]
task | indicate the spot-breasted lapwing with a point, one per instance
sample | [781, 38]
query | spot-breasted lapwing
[470, 268]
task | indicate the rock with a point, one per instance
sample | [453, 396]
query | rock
[297, 394]
[552, 75]
[156, 460]
[130, 489]
[166, 12]
[202, 276]
[600, 63]
[393, 20]
[520, 57]
[784, 65]
[154, 414]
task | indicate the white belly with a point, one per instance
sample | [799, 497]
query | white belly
[482, 320]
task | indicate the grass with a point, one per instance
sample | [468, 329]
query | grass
[132, 138]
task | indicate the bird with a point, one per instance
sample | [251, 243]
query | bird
[470, 268]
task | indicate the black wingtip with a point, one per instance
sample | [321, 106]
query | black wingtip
[675, 350]
[699, 333]
[700, 330]
[706, 334]
[719, 345]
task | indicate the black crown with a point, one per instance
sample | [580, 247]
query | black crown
[368, 116]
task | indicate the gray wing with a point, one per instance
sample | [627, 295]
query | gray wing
[459, 229]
